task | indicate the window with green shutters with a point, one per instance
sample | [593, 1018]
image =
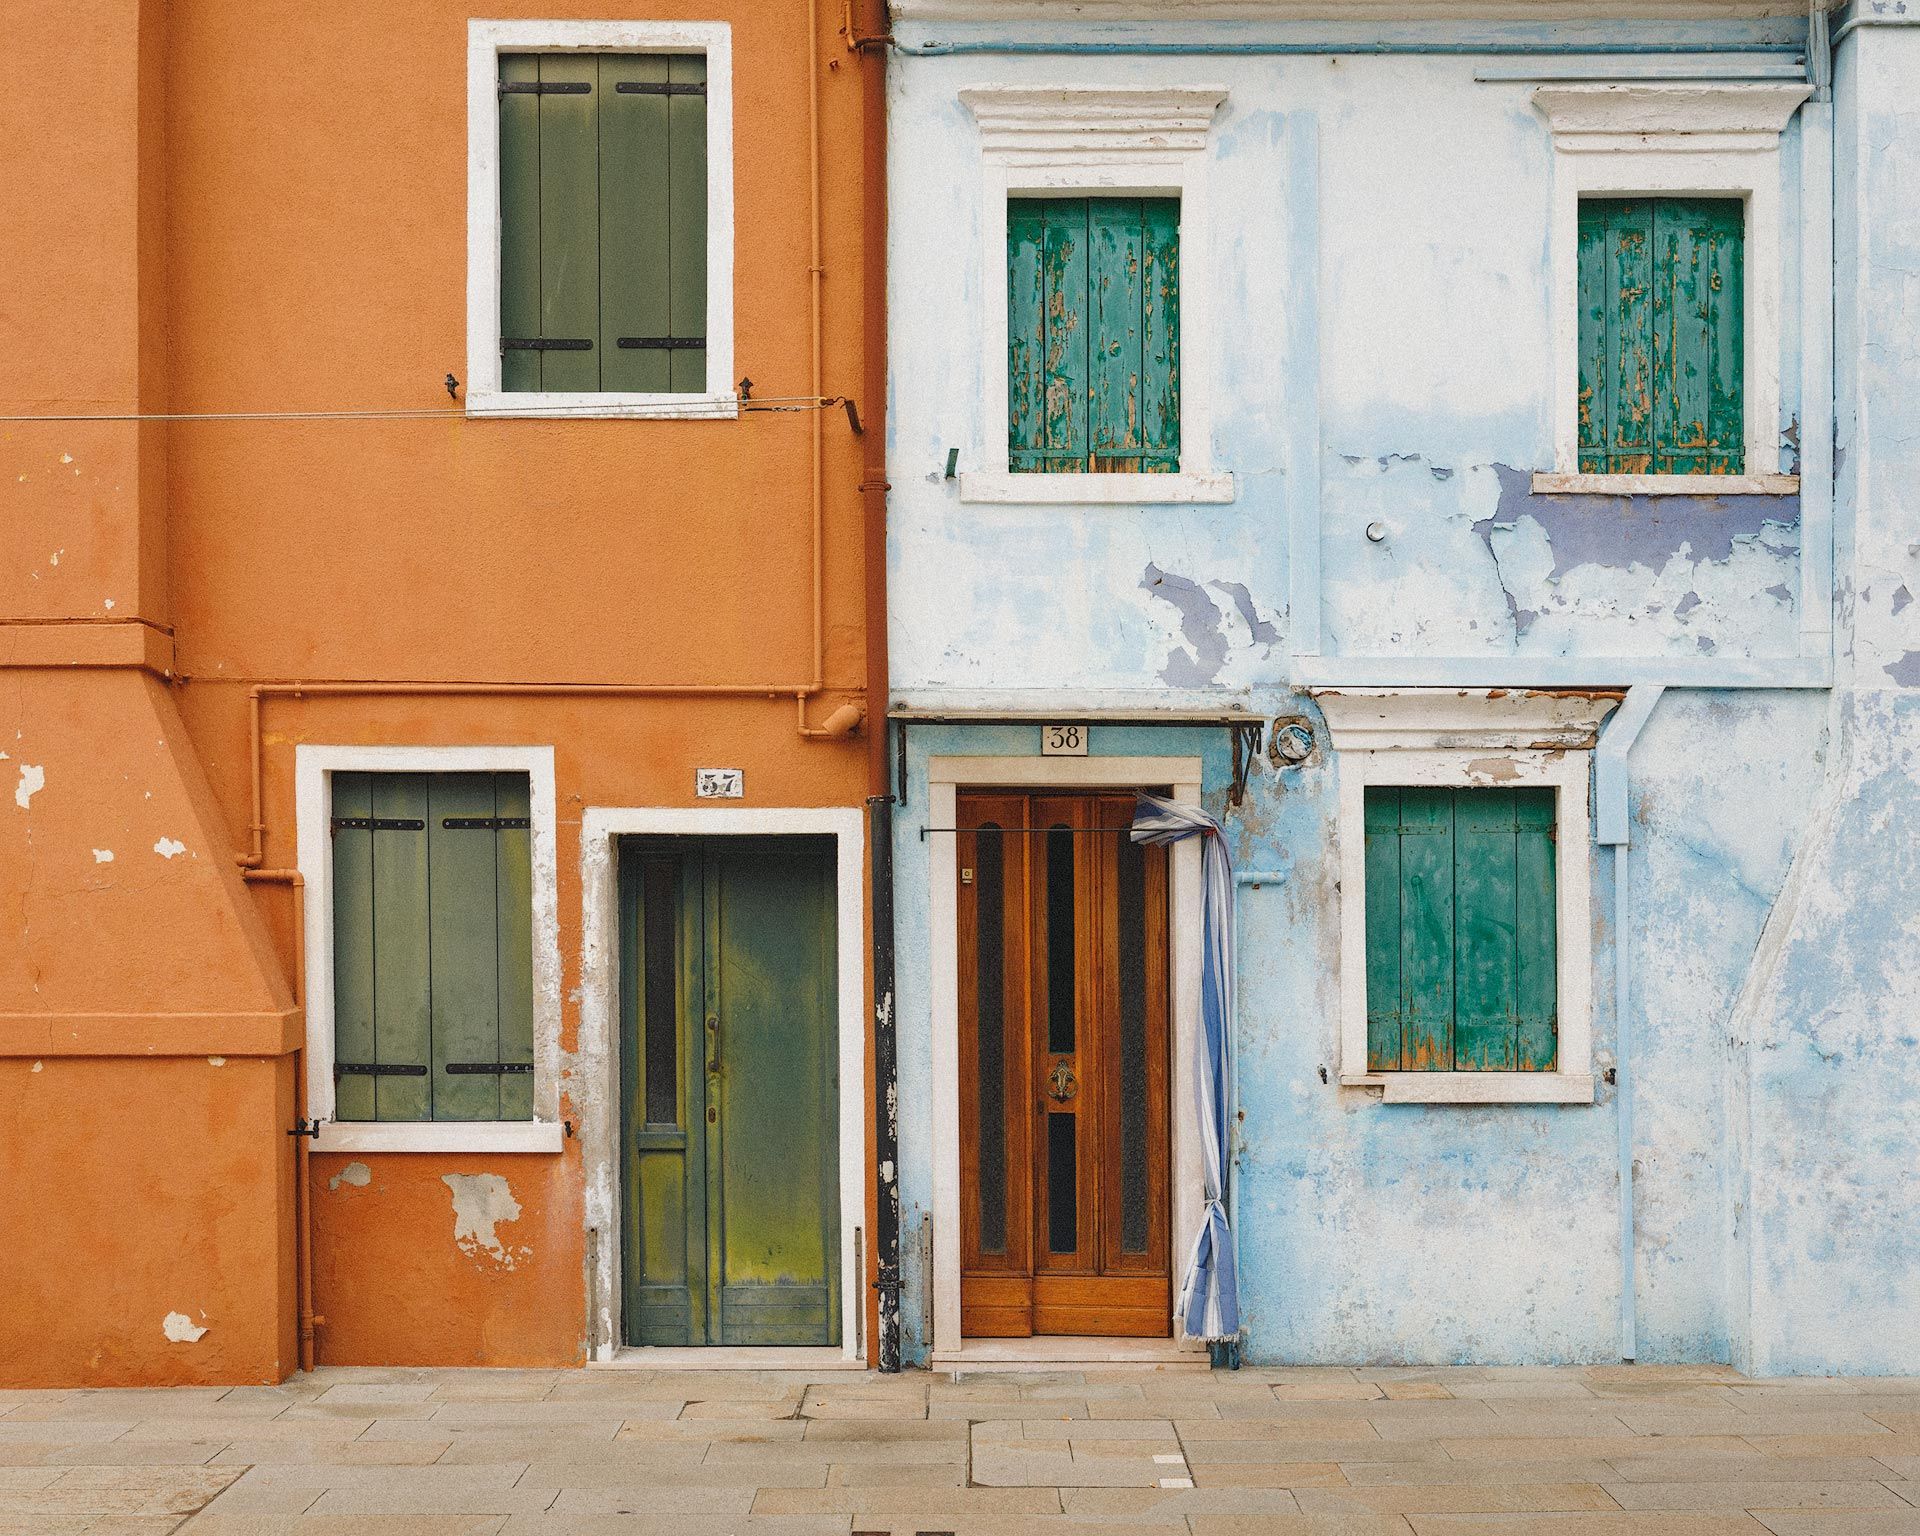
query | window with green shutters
[1662, 336]
[432, 946]
[1093, 334]
[1462, 974]
[603, 222]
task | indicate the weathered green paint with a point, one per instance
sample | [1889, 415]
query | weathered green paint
[1093, 365]
[1662, 336]
[732, 1216]
[603, 211]
[353, 944]
[1461, 969]
[433, 946]
[519, 220]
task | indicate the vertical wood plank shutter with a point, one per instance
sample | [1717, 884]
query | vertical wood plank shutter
[603, 222]
[1093, 312]
[1662, 336]
[433, 946]
[1462, 973]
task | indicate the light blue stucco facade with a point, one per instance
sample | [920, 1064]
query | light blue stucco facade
[1380, 279]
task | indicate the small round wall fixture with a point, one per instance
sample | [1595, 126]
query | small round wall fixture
[1292, 741]
[1376, 533]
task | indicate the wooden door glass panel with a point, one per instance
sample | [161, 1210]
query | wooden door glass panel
[991, 1032]
[1061, 948]
[1063, 1184]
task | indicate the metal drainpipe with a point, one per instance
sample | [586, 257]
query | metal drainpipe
[886, 1119]
[1611, 823]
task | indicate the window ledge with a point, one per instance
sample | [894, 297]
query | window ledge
[1476, 1087]
[440, 1136]
[1006, 488]
[1547, 483]
[560, 406]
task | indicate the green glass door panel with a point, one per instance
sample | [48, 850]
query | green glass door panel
[732, 1214]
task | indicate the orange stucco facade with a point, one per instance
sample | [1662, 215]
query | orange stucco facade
[219, 206]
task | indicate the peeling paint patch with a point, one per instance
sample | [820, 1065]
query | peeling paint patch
[169, 847]
[1501, 768]
[103, 855]
[216, 1061]
[1198, 666]
[480, 1202]
[181, 1329]
[1262, 631]
[33, 779]
[359, 1175]
[39, 1066]
[1905, 671]
[1901, 597]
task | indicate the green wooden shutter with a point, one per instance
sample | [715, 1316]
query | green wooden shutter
[1093, 334]
[603, 214]
[433, 953]
[1662, 336]
[1461, 964]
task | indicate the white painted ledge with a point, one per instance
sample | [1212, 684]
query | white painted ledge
[1548, 483]
[1004, 487]
[480, 1136]
[1476, 1087]
[549, 405]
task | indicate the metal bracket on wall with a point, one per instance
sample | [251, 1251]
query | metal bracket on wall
[1247, 737]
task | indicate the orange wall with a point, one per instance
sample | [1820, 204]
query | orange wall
[262, 207]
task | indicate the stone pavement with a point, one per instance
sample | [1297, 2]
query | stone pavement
[1602, 1451]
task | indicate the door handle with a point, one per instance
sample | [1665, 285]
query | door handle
[713, 1043]
[1061, 1083]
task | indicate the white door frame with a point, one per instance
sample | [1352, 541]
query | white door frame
[945, 777]
[595, 1085]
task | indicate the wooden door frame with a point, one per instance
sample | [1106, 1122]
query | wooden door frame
[946, 777]
[595, 1088]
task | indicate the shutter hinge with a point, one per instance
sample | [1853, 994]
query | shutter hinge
[488, 1068]
[378, 824]
[660, 88]
[545, 344]
[485, 823]
[545, 88]
[376, 1069]
[309, 1128]
[661, 343]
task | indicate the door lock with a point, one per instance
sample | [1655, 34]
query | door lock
[1061, 1083]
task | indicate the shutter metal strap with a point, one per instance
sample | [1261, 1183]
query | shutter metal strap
[375, 1069]
[487, 1068]
[378, 824]
[661, 88]
[485, 823]
[661, 343]
[545, 344]
[544, 88]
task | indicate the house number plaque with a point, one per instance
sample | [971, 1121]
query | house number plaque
[719, 783]
[1063, 741]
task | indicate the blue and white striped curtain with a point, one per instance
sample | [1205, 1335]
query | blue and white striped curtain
[1209, 1306]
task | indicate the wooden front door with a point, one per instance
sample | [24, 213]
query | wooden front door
[730, 1079]
[1063, 1069]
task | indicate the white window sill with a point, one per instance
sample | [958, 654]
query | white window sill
[440, 1136]
[1004, 487]
[1550, 483]
[1475, 1087]
[556, 406]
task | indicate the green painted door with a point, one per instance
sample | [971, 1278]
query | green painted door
[730, 1091]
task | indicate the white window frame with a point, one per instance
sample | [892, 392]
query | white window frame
[1667, 139]
[597, 1069]
[1098, 141]
[1456, 739]
[486, 41]
[314, 768]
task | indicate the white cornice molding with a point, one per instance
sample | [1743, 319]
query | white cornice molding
[1345, 10]
[1492, 719]
[1019, 122]
[1596, 117]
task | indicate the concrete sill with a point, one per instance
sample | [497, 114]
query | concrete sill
[546, 405]
[1005, 488]
[1547, 483]
[462, 1136]
[1475, 1087]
